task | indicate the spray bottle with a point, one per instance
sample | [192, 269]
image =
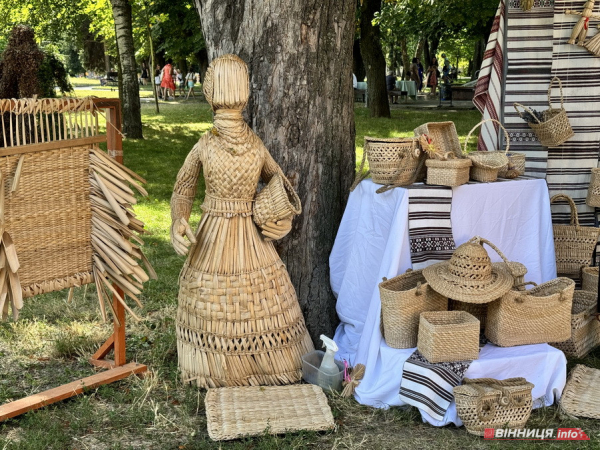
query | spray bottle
[328, 365]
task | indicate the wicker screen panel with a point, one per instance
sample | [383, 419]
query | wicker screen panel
[49, 218]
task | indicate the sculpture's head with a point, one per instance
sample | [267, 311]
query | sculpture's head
[226, 83]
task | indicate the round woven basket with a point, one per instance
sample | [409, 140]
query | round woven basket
[589, 279]
[486, 164]
[452, 172]
[593, 194]
[392, 161]
[554, 129]
[276, 201]
[515, 167]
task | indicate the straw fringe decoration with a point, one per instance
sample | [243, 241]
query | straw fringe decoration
[358, 373]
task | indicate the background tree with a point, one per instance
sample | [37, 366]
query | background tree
[132, 113]
[301, 106]
[372, 55]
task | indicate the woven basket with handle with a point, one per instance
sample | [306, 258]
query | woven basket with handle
[593, 194]
[536, 316]
[585, 326]
[403, 299]
[589, 279]
[444, 135]
[486, 164]
[573, 244]
[554, 129]
[392, 161]
[448, 336]
[276, 201]
[488, 403]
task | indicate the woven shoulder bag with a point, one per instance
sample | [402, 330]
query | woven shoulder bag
[573, 243]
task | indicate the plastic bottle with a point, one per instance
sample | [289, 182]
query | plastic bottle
[328, 365]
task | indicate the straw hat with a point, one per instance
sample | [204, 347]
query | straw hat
[470, 276]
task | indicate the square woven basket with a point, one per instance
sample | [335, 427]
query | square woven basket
[448, 336]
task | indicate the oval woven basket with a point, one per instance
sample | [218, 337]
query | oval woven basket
[486, 164]
[573, 243]
[554, 129]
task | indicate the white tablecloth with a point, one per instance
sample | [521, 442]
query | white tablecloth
[372, 243]
[408, 86]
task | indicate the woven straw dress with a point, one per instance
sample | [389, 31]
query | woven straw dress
[238, 319]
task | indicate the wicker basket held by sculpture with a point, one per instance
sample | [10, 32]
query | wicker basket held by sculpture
[487, 403]
[487, 164]
[573, 244]
[593, 194]
[276, 201]
[238, 318]
[589, 279]
[536, 316]
[554, 128]
[403, 299]
[585, 326]
[448, 336]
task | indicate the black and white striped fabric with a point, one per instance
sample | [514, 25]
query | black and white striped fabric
[429, 386]
[429, 224]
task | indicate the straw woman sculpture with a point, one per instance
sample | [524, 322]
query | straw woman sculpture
[238, 321]
[580, 29]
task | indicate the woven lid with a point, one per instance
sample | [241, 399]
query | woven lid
[469, 276]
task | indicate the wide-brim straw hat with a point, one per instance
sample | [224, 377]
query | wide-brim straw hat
[470, 276]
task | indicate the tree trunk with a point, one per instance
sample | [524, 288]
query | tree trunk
[302, 107]
[132, 113]
[370, 49]
[406, 61]
[106, 60]
[202, 58]
[419, 49]
[426, 54]
[433, 47]
[358, 66]
[480, 45]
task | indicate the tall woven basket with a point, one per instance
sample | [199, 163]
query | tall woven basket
[593, 194]
[589, 279]
[585, 326]
[536, 316]
[487, 403]
[403, 299]
[573, 244]
[393, 161]
[486, 164]
[554, 129]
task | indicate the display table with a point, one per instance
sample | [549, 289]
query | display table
[372, 243]
[410, 87]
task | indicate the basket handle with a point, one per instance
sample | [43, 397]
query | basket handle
[562, 104]
[574, 215]
[481, 241]
[521, 287]
[526, 109]
[481, 123]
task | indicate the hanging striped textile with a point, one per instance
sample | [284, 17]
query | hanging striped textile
[429, 224]
[488, 92]
[569, 166]
[529, 64]
[429, 386]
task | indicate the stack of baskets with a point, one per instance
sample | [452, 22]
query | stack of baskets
[487, 164]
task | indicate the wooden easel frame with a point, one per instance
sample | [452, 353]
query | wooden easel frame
[117, 368]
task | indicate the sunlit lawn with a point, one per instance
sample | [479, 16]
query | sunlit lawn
[51, 342]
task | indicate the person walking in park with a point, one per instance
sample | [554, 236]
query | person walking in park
[446, 66]
[167, 83]
[432, 76]
[390, 82]
[157, 80]
[189, 80]
[180, 82]
[414, 72]
[144, 77]
[421, 73]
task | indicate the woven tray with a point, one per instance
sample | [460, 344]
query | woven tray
[237, 412]
[580, 396]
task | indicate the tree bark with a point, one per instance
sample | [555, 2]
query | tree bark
[480, 45]
[202, 58]
[406, 61]
[132, 114]
[419, 49]
[372, 54]
[358, 66]
[426, 54]
[300, 59]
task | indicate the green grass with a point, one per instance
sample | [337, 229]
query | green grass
[51, 342]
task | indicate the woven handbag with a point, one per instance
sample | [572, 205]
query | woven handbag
[403, 299]
[585, 326]
[536, 316]
[554, 128]
[276, 201]
[392, 162]
[486, 164]
[488, 403]
[573, 244]
[593, 194]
